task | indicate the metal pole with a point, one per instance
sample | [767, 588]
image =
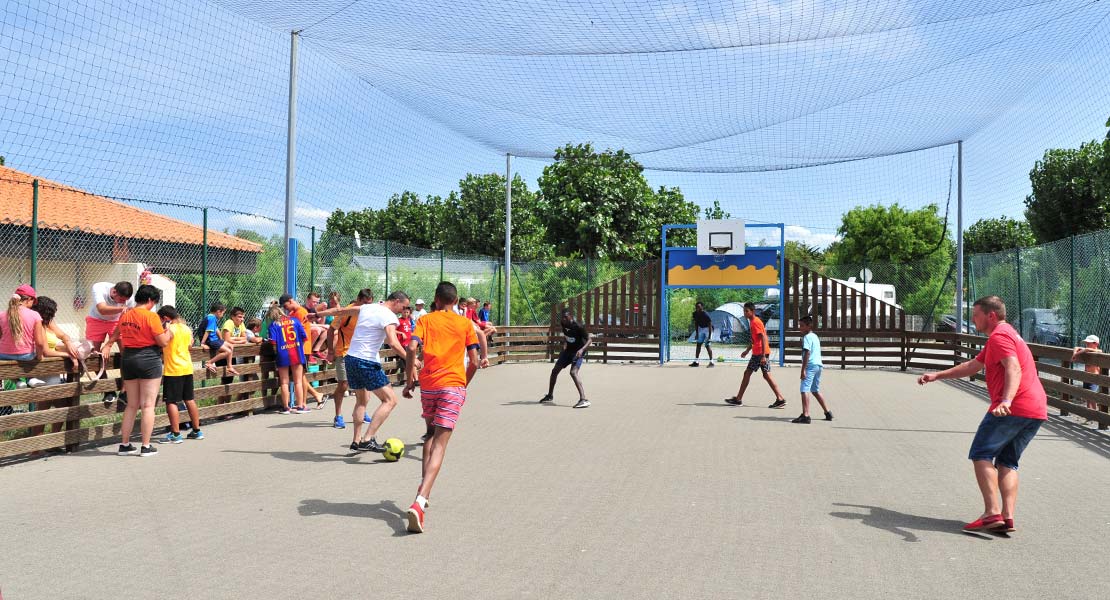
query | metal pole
[35, 233]
[386, 269]
[508, 235]
[960, 317]
[290, 170]
[312, 262]
[441, 264]
[204, 263]
[1017, 258]
[1071, 301]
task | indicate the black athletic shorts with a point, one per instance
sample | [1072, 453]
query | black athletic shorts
[177, 388]
[141, 363]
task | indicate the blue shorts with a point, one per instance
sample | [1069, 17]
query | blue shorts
[1001, 440]
[566, 359]
[364, 374]
[755, 363]
[703, 336]
[812, 382]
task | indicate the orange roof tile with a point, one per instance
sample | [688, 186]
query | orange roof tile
[69, 209]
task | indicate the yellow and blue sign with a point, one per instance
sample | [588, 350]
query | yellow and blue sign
[754, 268]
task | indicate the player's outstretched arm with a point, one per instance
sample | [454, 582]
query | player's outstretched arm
[339, 311]
[966, 369]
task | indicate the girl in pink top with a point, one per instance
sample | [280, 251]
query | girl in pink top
[21, 334]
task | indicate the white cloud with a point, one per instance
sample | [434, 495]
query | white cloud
[311, 213]
[797, 233]
[256, 223]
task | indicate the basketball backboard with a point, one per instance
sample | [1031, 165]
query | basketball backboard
[721, 237]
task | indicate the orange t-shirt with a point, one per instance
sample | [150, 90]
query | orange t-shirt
[446, 337]
[137, 328]
[344, 330]
[758, 331]
[302, 315]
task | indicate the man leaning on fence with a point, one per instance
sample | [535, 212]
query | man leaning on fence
[108, 301]
[1018, 408]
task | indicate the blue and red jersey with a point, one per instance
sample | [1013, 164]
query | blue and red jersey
[288, 336]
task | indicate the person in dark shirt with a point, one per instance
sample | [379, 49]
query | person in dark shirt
[704, 328]
[577, 340]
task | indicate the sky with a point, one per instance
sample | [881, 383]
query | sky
[787, 111]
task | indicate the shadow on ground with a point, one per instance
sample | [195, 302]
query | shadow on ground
[903, 524]
[385, 511]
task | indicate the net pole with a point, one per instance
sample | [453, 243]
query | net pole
[290, 169]
[508, 234]
[204, 262]
[960, 237]
[35, 233]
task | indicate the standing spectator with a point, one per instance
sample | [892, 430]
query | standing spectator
[108, 302]
[288, 335]
[21, 333]
[1018, 408]
[295, 310]
[177, 376]
[419, 312]
[703, 324]
[1090, 346]
[339, 341]
[141, 338]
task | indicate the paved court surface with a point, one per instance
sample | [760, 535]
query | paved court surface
[657, 491]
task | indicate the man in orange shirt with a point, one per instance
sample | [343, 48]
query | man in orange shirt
[446, 337]
[760, 349]
[340, 332]
[295, 310]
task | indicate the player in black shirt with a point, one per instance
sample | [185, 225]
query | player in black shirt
[704, 327]
[578, 339]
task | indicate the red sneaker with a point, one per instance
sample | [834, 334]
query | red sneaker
[1009, 525]
[986, 523]
[416, 518]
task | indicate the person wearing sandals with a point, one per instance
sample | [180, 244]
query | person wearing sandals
[574, 353]
[141, 336]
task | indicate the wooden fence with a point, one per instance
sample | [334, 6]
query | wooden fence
[837, 307]
[76, 414]
[622, 315]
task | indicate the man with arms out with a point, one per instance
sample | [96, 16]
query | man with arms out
[376, 324]
[811, 370]
[339, 340]
[760, 361]
[1018, 408]
[704, 333]
[577, 340]
[108, 302]
[446, 338]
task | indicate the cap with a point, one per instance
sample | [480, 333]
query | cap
[26, 290]
[1091, 339]
[420, 301]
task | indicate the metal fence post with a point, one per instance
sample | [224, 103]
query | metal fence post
[35, 233]
[312, 263]
[204, 264]
[386, 270]
[1071, 301]
[441, 264]
[1017, 260]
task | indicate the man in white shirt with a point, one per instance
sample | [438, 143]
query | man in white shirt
[377, 324]
[419, 311]
[108, 302]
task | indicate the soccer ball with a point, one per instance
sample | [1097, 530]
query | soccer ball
[394, 449]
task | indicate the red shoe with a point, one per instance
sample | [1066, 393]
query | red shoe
[986, 523]
[1009, 525]
[416, 518]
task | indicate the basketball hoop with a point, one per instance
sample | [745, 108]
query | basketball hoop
[719, 254]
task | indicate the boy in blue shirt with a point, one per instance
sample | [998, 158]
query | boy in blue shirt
[811, 370]
[218, 349]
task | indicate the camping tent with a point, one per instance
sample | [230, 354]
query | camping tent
[728, 322]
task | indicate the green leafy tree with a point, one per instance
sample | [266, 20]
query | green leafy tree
[987, 236]
[1070, 191]
[804, 254]
[670, 207]
[477, 217]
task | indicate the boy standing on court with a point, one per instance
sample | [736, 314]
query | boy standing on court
[446, 337]
[704, 327]
[577, 340]
[811, 370]
[760, 361]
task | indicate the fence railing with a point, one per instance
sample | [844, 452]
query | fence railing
[75, 413]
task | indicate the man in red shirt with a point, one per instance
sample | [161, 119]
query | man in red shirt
[761, 359]
[1018, 408]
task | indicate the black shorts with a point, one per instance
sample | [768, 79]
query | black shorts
[177, 388]
[141, 363]
[566, 359]
[756, 363]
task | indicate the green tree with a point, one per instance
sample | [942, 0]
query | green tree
[1070, 191]
[477, 217]
[987, 236]
[597, 204]
[804, 254]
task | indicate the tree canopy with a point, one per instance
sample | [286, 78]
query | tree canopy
[987, 236]
[1071, 191]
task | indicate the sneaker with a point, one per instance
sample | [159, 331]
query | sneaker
[828, 415]
[367, 418]
[339, 423]
[802, 419]
[986, 523]
[780, 403]
[128, 450]
[694, 364]
[148, 451]
[547, 398]
[196, 434]
[415, 516]
[109, 397]
[583, 403]
[425, 437]
[733, 401]
[1009, 526]
[284, 412]
[710, 366]
[372, 445]
[355, 447]
[172, 438]
[35, 382]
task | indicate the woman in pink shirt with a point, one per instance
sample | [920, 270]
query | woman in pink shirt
[21, 334]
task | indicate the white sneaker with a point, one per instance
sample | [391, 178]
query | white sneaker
[583, 403]
[35, 382]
